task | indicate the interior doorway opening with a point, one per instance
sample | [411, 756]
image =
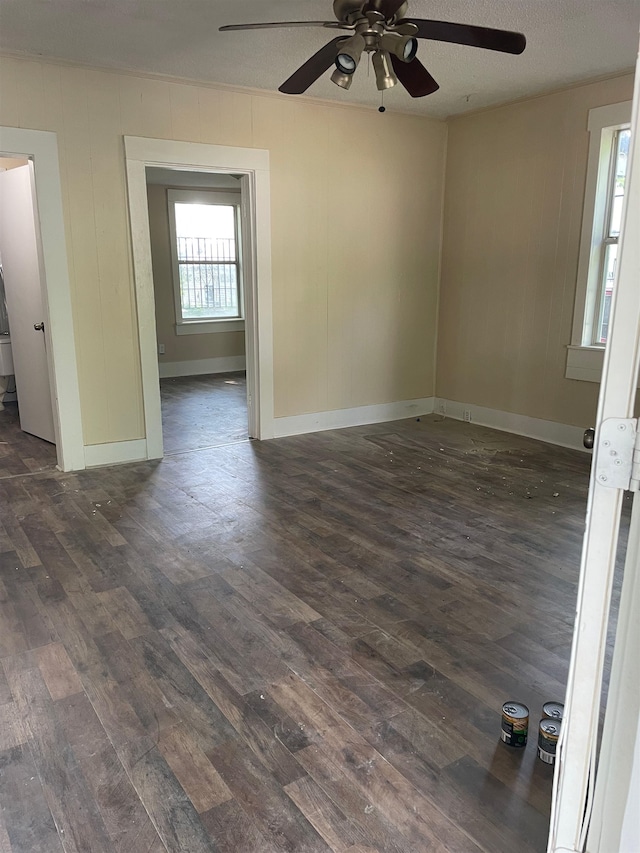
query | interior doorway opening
[40, 148]
[27, 412]
[199, 255]
[251, 166]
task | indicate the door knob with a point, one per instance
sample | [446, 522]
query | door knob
[39, 327]
[589, 437]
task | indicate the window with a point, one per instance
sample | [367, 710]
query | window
[608, 253]
[602, 218]
[205, 251]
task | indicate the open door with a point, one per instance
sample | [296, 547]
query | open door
[23, 272]
[579, 777]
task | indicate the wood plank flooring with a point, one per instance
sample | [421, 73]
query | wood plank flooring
[21, 453]
[203, 411]
[296, 645]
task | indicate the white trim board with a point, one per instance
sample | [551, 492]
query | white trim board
[586, 363]
[563, 435]
[42, 147]
[115, 452]
[209, 327]
[253, 166]
[201, 366]
[359, 416]
[594, 211]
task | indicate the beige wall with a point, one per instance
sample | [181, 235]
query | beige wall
[513, 209]
[356, 209]
[178, 347]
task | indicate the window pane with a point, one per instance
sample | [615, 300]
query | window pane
[207, 259]
[622, 154]
[607, 292]
[205, 232]
[208, 290]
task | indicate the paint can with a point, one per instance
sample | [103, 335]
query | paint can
[515, 724]
[553, 711]
[548, 734]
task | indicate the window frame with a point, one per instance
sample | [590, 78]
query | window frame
[585, 357]
[196, 326]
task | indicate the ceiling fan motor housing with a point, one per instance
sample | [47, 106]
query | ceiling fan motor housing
[349, 11]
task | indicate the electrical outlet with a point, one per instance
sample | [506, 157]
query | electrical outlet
[466, 415]
[160, 349]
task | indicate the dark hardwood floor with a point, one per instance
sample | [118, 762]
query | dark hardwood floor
[203, 411]
[295, 645]
[21, 453]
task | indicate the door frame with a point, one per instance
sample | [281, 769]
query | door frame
[252, 164]
[577, 772]
[41, 148]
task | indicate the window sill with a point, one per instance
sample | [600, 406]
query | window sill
[209, 327]
[584, 363]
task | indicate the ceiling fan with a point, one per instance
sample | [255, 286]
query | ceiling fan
[380, 28]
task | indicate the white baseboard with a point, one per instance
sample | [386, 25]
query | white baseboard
[115, 453]
[200, 366]
[340, 418]
[549, 431]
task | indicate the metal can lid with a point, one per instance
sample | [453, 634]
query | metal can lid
[515, 709]
[555, 710]
[550, 727]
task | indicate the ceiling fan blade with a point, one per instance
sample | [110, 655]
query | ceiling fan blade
[414, 77]
[388, 8]
[503, 40]
[332, 25]
[309, 72]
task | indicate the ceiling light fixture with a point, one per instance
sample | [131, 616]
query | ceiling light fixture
[341, 79]
[385, 77]
[404, 47]
[349, 54]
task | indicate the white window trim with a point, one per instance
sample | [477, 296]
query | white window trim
[185, 326]
[584, 361]
[209, 327]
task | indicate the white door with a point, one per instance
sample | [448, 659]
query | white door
[22, 267]
[577, 768]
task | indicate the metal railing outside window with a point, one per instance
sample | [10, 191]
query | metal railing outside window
[208, 269]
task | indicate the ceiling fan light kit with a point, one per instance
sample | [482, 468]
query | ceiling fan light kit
[404, 47]
[349, 53]
[342, 80]
[385, 78]
[380, 28]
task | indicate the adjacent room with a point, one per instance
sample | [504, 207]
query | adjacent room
[197, 251]
[293, 464]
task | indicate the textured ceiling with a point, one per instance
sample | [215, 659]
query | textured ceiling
[567, 41]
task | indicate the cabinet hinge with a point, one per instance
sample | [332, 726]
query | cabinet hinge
[617, 458]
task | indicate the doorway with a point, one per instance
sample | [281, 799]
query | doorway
[24, 337]
[251, 168]
[23, 350]
[197, 251]
[40, 149]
